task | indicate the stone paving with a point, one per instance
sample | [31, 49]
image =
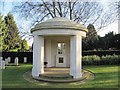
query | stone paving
[56, 72]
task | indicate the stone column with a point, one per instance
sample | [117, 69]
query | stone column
[38, 56]
[75, 56]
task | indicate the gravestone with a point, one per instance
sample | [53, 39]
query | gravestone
[1, 58]
[16, 61]
[9, 59]
[25, 59]
[2, 64]
[6, 61]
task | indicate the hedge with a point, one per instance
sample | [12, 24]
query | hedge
[101, 52]
[20, 55]
[88, 59]
[104, 60]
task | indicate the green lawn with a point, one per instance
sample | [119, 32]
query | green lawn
[105, 77]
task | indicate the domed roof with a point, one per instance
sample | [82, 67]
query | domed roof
[59, 23]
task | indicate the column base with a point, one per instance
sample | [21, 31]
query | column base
[36, 73]
[41, 71]
[77, 76]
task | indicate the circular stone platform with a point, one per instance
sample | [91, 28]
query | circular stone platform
[58, 75]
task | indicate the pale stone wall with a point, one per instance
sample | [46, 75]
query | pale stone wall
[48, 52]
[51, 50]
[68, 53]
[54, 51]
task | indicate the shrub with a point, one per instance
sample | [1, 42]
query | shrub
[104, 60]
[91, 60]
[110, 59]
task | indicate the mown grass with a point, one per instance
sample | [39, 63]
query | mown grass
[105, 77]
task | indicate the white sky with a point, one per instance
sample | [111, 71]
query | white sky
[112, 27]
[25, 24]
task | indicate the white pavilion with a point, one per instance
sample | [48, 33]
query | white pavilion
[58, 42]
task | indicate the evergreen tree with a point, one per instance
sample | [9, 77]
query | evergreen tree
[12, 36]
[108, 40]
[24, 45]
[89, 43]
[91, 34]
[116, 43]
[3, 46]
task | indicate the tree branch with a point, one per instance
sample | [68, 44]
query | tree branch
[60, 13]
[48, 9]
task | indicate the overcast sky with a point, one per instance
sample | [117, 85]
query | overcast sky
[9, 4]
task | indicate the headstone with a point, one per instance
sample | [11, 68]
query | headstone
[1, 58]
[2, 64]
[9, 59]
[6, 61]
[25, 59]
[16, 61]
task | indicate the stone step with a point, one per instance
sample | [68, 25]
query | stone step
[56, 76]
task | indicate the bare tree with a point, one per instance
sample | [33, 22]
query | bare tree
[85, 12]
